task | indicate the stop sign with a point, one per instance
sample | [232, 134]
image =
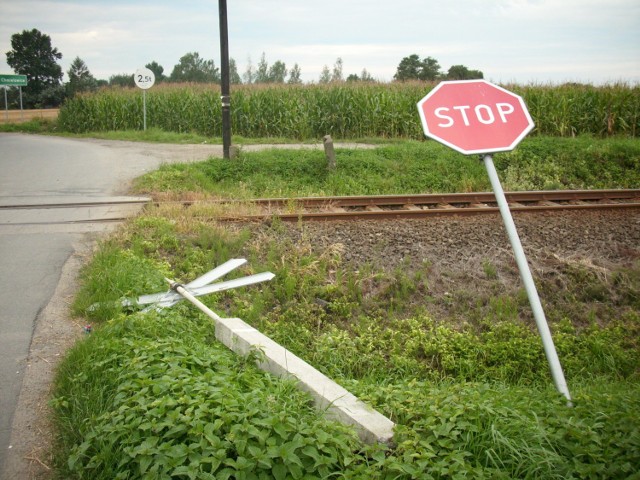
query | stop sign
[474, 116]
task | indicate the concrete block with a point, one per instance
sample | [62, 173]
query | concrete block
[339, 404]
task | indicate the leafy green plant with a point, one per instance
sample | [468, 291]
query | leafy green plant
[355, 110]
[179, 405]
[489, 430]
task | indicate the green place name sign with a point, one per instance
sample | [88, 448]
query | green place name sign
[13, 80]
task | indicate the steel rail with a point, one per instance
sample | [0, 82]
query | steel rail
[385, 206]
[416, 206]
[89, 211]
[97, 203]
[433, 198]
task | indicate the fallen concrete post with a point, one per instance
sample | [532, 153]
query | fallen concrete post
[340, 404]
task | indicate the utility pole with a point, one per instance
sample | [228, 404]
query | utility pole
[224, 81]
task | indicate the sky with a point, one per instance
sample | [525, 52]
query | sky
[510, 41]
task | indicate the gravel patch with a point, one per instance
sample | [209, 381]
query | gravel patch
[606, 238]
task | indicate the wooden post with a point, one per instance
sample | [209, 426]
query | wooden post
[329, 152]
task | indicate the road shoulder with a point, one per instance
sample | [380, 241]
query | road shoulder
[29, 455]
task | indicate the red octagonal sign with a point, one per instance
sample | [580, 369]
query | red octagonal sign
[474, 116]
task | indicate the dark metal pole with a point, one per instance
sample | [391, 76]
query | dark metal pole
[224, 83]
[21, 110]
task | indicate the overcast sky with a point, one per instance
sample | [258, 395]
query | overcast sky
[524, 41]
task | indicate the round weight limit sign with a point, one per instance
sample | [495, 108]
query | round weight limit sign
[144, 79]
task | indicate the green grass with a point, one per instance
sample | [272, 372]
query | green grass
[539, 163]
[456, 430]
[152, 395]
[157, 135]
[40, 126]
[155, 396]
[151, 135]
[114, 273]
[162, 399]
[290, 173]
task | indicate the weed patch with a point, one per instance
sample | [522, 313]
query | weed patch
[403, 168]
[166, 401]
[115, 274]
[493, 431]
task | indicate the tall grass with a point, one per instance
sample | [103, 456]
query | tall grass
[575, 109]
[149, 396]
[539, 163]
[343, 110]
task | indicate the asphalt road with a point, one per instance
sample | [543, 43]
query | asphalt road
[34, 246]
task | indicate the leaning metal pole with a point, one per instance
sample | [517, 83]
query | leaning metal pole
[527, 279]
[201, 306]
[224, 82]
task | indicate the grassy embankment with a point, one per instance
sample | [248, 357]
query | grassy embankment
[155, 396]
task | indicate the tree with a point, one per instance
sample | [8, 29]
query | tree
[234, 76]
[430, 69]
[80, 78]
[412, 68]
[325, 75]
[262, 72]
[122, 80]
[32, 55]
[409, 68]
[193, 68]
[366, 76]
[277, 72]
[249, 74]
[274, 74]
[295, 75]
[158, 71]
[336, 75]
[460, 72]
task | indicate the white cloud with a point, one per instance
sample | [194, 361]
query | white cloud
[521, 40]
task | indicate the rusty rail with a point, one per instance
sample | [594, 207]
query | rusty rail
[416, 206]
[384, 206]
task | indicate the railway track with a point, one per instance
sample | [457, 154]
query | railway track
[328, 208]
[417, 206]
[56, 212]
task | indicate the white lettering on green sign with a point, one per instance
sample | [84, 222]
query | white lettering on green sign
[13, 80]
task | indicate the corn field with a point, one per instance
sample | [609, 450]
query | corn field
[344, 110]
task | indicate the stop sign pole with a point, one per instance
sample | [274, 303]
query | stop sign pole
[477, 117]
